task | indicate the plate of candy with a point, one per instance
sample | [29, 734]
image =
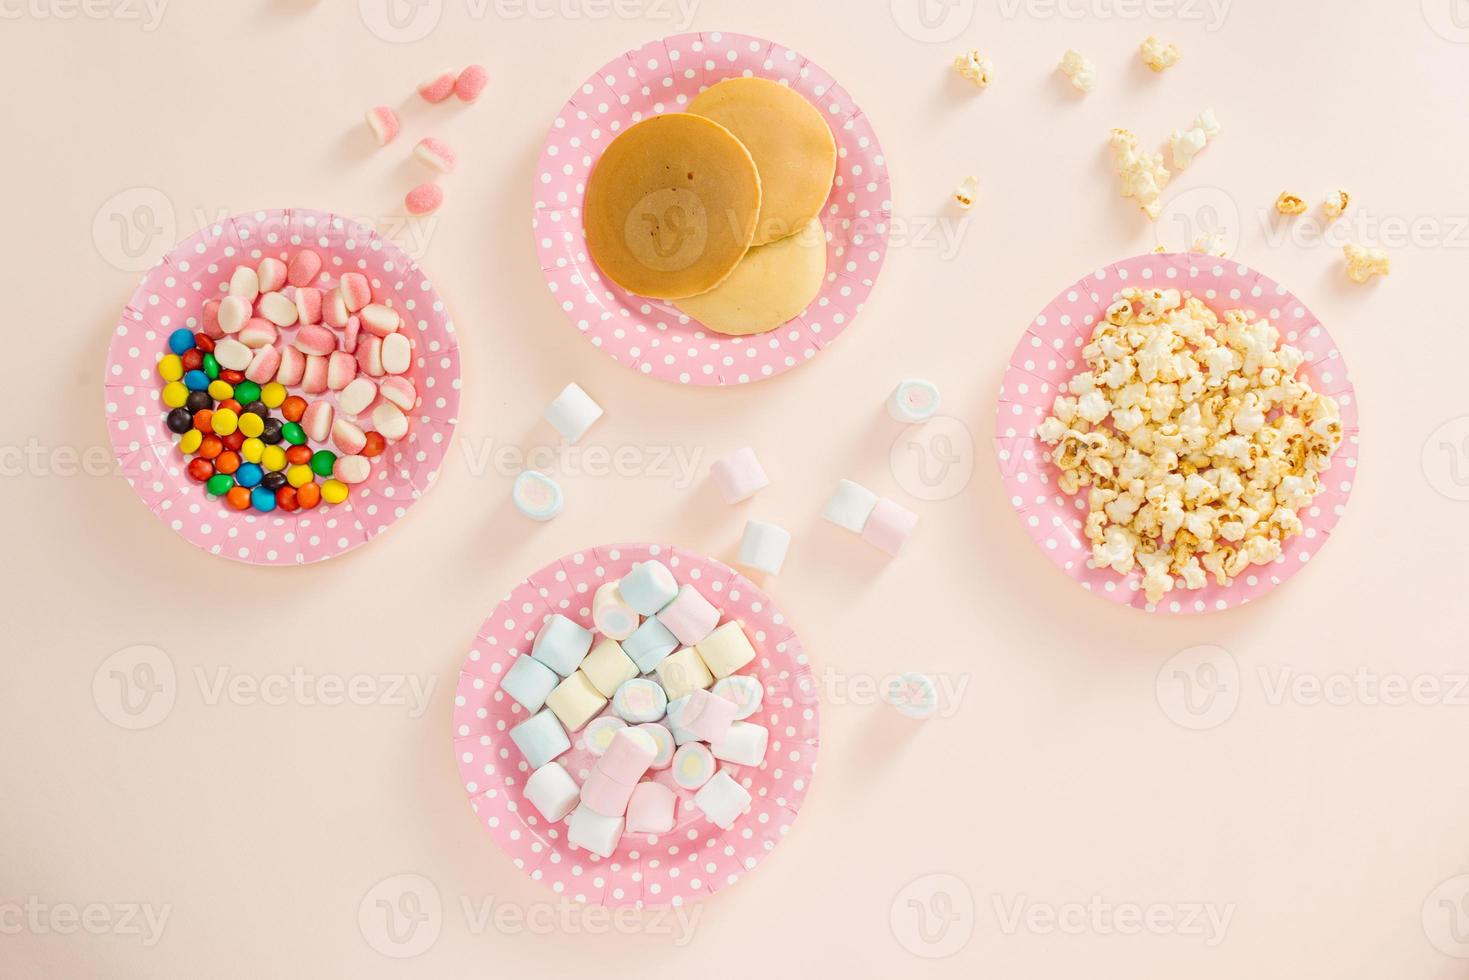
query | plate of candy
[282, 386]
[636, 725]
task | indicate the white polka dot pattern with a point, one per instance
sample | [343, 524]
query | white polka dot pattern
[172, 295]
[696, 858]
[650, 336]
[1050, 354]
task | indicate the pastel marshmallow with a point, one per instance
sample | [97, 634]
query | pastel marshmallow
[703, 715]
[742, 743]
[313, 379]
[599, 732]
[352, 470]
[528, 681]
[315, 339]
[270, 275]
[397, 354]
[561, 645]
[572, 413]
[649, 644]
[209, 317]
[914, 696]
[423, 199]
[435, 154]
[746, 693]
[723, 800]
[605, 795]
[370, 356]
[683, 672]
[763, 546]
[675, 712]
[628, 756]
[303, 268]
[850, 506]
[438, 88]
[536, 495]
[257, 333]
[650, 809]
[357, 395]
[263, 365]
[232, 355]
[356, 291]
[388, 419]
[308, 304]
[591, 831]
[689, 617]
[341, 370]
[245, 283]
[611, 614]
[664, 740]
[348, 437]
[575, 701]
[382, 122]
[471, 82]
[739, 476]
[639, 700]
[400, 391]
[292, 367]
[316, 421]
[234, 313]
[540, 738]
[380, 320]
[726, 650]
[913, 400]
[889, 526]
[552, 791]
[607, 667]
[693, 765]
[648, 587]
[350, 333]
[334, 312]
[280, 310]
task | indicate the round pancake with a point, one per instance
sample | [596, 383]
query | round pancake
[772, 284]
[791, 143]
[671, 205]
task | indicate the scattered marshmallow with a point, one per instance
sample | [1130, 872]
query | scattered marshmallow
[292, 368]
[234, 313]
[680, 734]
[913, 695]
[270, 275]
[914, 400]
[314, 339]
[725, 650]
[693, 765]
[380, 319]
[232, 355]
[576, 701]
[649, 645]
[400, 391]
[648, 587]
[438, 88]
[316, 421]
[313, 379]
[605, 795]
[664, 739]
[607, 667]
[639, 700]
[423, 199]
[536, 495]
[258, 333]
[264, 365]
[245, 283]
[742, 743]
[572, 413]
[739, 476]
[540, 738]
[745, 691]
[628, 757]
[683, 672]
[352, 470]
[355, 290]
[389, 421]
[348, 437]
[552, 791]
[723, 800]
[370, 356]
[651, 808]
[397, 353]
[435, 154]
[384, 124]
[561, 645]
[689, 616]
[341, 370]
[889, 526]
[705, 716]
[850, 506]
[359, 393]
[590, 830]
[611, 614]
[599, 732]
[303, 268]
[763, 546]
[471, 82]
[528, 681]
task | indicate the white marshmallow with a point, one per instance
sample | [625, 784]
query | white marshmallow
[693, 765]
[640, 700]
[528, 681]
[359, 393]
[575, 701]
[600, 731]
[590, 830]
[232, 354]
[648, 587]
[913, 400]
[744, 690]
[742, 743]
[611, 614]
[278, 309]
[536, 495]
[397, 353]
[573, 412]
[850, 506]
[723, 800]
[666, 745]
[540, 738]
[552, 791]
[390, 422]
[914, 695]
[561, 645]
[245, 283]
[764, 546]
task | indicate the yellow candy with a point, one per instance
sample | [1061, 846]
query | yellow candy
[224, 421]
[299, 475]
[189, 444]
[251, 424]
[273, 394]
[220, 390]
[170, 367]
[175, 394]
[273, 458]
[253, 450]
[334, 491]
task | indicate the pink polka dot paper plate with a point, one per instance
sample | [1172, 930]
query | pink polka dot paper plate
[696, 858]
[651, 336]
[171, 295]
[1050, 354]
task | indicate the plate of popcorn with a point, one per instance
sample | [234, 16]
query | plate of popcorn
[636, 725]
[1178, 433]
[282, 386]
[711, 209]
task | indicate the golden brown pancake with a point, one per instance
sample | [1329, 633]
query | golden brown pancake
[772, 284]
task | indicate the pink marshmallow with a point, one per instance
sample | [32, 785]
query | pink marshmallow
[357, 396]
[272, 274]
[889, 526]
[739, 475]
[348, 437]
[257, 333]
[349, 334]
[379, 320]
[234, 313]
[370, 356]
[209, 320]
[438, 88]
[627, 757]
[471, 82]
[334, 309]
[397, 353]
[689, 617]
[356, 291]
[317, 420]
[315, 339]
[650, 810]
[263, 365]
[384, 124]
[308, 305]
[304, 267]
[424, 199]
[390, 422]
[400, 391]
[352, 469]
[707, 716]
[605, 795]
[292, 367]
[435, 154]
[341, 368]
[313, 381]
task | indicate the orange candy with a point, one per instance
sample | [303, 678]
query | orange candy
[204, 420]
[293, 408]
[308, 496]
[227, 462]
[210, 447]
[238, 498]
[375, 444]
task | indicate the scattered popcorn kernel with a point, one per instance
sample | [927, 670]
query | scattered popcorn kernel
[966, 192]
[1336, 203]
[1143, 174]
[975, 67]
[1288, 203]
[1209, 243]
[1083, 73]
[1159, 56]
[1364, 263]
[1186, 144]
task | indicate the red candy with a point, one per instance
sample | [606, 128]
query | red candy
[375, 444]
[298, 455]
[286, 499]
[204, 342]
[231, 378]
[199, 470]
[234, 440]
[193, 359]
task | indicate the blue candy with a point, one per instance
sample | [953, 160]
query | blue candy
[248, 475]
[180, 341]
[196, 381]
[261, 498]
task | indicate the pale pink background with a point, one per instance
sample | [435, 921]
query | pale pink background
[1059, 777]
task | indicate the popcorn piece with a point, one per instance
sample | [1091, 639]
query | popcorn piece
[1186, 144]
[1143, 174]
[975, 67]
[1288, 203]
[1081, 72]
[1364, 263]
[1157, 55]
[1209, 243]
[1336, 202]
[966, 192]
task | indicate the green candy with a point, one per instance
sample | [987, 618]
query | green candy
[293, 433]
[322, 462]
[211, 367]
[219, 484]
[247, 392]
